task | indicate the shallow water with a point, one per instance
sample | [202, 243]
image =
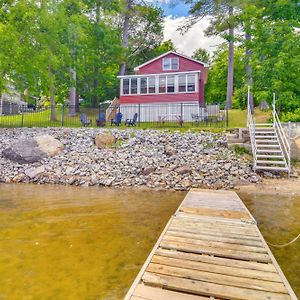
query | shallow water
[89, 243]
[76, 243]
[278, 218]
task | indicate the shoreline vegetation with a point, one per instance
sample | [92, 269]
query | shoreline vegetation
[122, 158]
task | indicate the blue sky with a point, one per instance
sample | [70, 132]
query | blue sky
[176, 10]
[176, 13]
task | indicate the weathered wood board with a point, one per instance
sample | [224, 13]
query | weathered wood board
[210, 249]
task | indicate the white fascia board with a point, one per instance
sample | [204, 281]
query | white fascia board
[159, 74]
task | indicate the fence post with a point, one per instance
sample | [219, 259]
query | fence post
[181, 115]
[62, 115]
[22, 110]
[139, 122]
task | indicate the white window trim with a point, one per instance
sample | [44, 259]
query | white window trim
[170, 63]
[157, 76]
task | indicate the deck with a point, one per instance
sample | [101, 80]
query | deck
[210, 248]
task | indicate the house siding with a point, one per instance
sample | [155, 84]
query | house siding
[156, 67]
[160, 98]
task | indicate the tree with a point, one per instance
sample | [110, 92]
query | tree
[201, 55]
[216, 87]
[222, 23]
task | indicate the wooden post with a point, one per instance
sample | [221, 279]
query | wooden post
[139, 116]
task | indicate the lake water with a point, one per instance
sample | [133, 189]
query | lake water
[61, 242]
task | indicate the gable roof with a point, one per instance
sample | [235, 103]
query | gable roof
[169, 52]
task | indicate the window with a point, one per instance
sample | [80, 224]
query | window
[175, 63]
[125, 86]
[162, 84]
[191, 87]
[151, 82]
[182, 83]
[171, 63]
[133, 89]
[144, 85]
[170, 84]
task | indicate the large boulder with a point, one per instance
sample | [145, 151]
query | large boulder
[33, 149]
[24, 151]
[105, 140]
[49, 145]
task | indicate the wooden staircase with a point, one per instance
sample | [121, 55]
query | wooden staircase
[271, 148]
[269, 155]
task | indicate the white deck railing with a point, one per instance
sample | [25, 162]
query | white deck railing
[284, 141]
[251, 127]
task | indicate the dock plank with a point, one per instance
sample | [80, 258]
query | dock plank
[211, 248]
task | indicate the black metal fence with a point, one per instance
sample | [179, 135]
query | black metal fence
[137, 115]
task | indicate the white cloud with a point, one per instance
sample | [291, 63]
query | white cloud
[192, 39]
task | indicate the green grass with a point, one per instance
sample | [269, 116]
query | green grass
[237, 118]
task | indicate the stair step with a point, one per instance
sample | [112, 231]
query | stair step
[267, 141]
[271, 162]
[268, 151]
[265, 131]
[261, 137]
[263, 124]
[272, 168]
[269, 156]
[267, 146]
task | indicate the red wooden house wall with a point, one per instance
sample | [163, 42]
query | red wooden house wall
[156, 67]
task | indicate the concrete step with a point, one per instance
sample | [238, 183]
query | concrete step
[270, 162]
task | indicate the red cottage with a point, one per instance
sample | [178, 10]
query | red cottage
[167, 79]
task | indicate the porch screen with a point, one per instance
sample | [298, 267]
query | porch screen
[182, 83]
[191, 83]
[125, 86]
[162, 84]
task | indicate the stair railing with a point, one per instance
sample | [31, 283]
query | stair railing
[251, 127]
[284, 141]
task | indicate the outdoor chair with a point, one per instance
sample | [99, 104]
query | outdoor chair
[101, 121]
[117, 120]
[132, 122]
[84, 120]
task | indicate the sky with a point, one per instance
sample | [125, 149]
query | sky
[176, 13]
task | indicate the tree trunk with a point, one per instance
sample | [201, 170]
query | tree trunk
[230, 64]
[249, 69]
[72, 93]
[95, 98]
[125, 34]
[52, 101]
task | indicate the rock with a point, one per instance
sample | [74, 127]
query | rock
[49, 145]
[148, 170]
[105, 140]
[227, 166]
[183, 170]
[33, 172]
[170, 151]
[18, 178]
[24, 151]
[70, 170]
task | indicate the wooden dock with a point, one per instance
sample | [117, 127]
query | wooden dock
[210, 249]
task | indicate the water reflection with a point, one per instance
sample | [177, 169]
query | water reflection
[76, 243]
[278, 217]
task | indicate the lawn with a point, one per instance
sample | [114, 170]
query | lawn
[237, 119]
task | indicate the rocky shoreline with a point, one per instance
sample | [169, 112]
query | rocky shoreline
[150, 158]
